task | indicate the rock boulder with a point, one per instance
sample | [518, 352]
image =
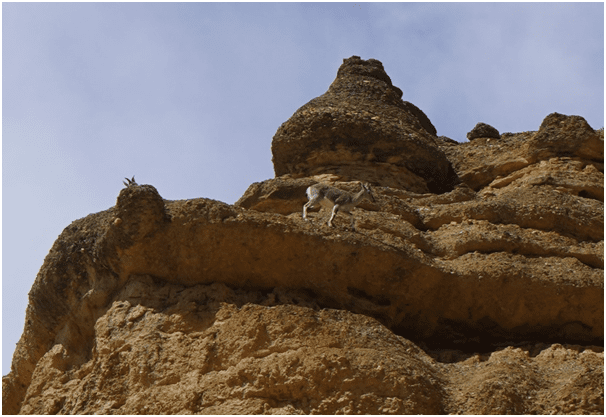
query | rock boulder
[483, 130]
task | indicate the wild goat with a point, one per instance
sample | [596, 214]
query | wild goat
[338, 200]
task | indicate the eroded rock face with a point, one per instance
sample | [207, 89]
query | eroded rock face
[567, 138]
[210, 349]
[360, 129]
[173, 349]
[486, 298]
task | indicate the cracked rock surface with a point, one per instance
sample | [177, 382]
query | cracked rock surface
[475, 288]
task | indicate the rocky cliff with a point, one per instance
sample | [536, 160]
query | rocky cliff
[472, 284]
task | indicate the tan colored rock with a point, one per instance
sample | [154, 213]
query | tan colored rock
[170, 349]
[415, 281]
[485, 297]
[280, 195]
[483, 160]
[360, 129]
[532, 379]
[566, 136]
[211, 349]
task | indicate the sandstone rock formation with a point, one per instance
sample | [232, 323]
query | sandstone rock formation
[474, 283]
[360, 129]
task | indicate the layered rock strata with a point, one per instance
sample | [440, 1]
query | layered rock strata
[480, 295]
[360, 129]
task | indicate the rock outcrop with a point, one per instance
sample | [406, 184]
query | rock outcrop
[360, 129]
[483, 130]
[473, 284]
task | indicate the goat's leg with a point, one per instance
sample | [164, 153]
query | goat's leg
[353, 220]
[309, 204]
[335, 210]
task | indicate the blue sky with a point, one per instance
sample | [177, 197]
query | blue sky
[187, 96]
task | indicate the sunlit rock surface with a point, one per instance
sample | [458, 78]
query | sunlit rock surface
[472, 285]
